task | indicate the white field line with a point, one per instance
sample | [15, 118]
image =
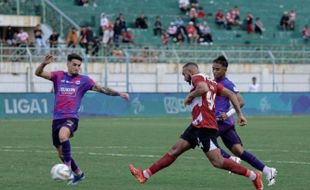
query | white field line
[144, 147]
[27, 149]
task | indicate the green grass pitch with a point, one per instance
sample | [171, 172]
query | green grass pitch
[104, 147]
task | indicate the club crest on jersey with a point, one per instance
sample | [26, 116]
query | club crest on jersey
[77, 82]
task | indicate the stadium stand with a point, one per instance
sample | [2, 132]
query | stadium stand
[269, 12]
[255, 54]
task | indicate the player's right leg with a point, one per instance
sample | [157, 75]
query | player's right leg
[166, 160]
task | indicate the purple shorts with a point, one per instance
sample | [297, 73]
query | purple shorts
[229, 136]
[70, 123]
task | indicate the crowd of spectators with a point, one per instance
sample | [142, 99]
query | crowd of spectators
[191, 27]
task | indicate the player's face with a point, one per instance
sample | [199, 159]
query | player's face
[187, 75]
[218, 71]
[74, 66]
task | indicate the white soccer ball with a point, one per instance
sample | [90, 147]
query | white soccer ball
[61, 172]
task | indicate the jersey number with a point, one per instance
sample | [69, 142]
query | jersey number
[210, 100]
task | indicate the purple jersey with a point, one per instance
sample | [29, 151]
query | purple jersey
[69, 91]
[222, 103]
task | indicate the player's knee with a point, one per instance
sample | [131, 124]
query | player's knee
[237, 151]
[216, 163]
[63, 138]
[175, 151]
[64, 134]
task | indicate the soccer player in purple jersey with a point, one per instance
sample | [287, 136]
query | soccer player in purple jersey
[69, 89]
[226, 122]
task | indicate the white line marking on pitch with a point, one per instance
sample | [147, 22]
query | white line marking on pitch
[141, 147]
[8, 149]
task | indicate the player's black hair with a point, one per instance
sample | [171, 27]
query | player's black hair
[190, 63]
[221, 60]
[74, 56]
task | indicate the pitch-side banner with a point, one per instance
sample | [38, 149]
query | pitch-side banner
[37, 105]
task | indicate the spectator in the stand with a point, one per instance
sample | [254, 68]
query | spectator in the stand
[90, 34]
[108, 34]
[292, 20]
[180, 25]
[117, 29]
[249, 20]
[236, 15]
[164, 38]
[38, 36]
[53, 39]
[184, 5]
[72, 38]
[127, 36]
[179, 22]
[284, 22]
[191, 32]
[230, 20]
[180, 38]
[141, 22]
[83, 38]
[259, 28]
[220, 18]
[205, 37]
[104, 22]
[122, 21]
[22, 38]
[201, 13]
[193, 15]
[254, 87]
[172, 30]
[157, 27]
[9, 36]
[306, 33]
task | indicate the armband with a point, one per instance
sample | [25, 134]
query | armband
[231, 112]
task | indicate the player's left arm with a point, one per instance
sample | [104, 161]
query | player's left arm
[234, 100]
[232, 111]
[200, 89]
[110, 92]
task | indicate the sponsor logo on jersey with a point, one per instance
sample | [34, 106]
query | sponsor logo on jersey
[67, 91]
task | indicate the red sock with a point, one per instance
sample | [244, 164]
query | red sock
[163, 162]
[235, 168]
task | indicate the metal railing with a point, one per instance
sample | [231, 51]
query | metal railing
[158, 70]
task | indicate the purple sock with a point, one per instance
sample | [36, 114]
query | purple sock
[251, 159]
[225, 154]
[66, 152]
[74, 167]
